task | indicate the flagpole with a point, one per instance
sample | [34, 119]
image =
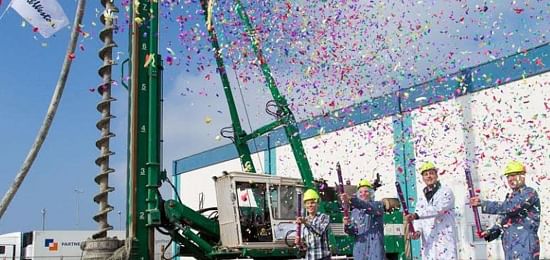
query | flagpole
[5, 11]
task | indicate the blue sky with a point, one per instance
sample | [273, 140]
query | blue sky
[66, 161]
[395, 45]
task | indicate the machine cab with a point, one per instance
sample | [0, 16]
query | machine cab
[256, 209]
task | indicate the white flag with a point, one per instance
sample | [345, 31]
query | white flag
[46, 15]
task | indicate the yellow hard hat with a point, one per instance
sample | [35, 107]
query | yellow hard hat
[514, 168]
[364, 183]
[311, 195]
[426, 166]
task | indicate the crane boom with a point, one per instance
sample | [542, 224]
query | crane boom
[261, 218]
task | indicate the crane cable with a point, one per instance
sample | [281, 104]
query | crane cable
[210, 25]
[247, 116]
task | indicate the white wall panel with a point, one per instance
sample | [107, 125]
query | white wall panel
[362, 150]
[486, 130]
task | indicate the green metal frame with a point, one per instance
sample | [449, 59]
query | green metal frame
[143, 154]
[238, 133]
[394, 244]
[154, 120]
[195, 245]
[287, 119]
[177, 212]
[145, 211]
[144, 169]
[340, 244]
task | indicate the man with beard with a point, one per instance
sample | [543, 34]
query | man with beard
[519, 216]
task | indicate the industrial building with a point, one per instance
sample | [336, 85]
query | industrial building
[479, 119]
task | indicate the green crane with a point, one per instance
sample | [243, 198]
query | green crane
[197, 235]
[285, 117]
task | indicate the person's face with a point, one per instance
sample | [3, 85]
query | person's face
[311, 207]
[515, 181]
[364, 193]
[429, 177]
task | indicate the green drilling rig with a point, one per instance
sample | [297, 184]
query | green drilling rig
[260, 228]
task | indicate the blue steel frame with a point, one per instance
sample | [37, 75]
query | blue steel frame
[484, 76]
[405, 172]
[501, 71]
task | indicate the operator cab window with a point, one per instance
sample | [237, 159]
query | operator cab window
[283, 201]
[254, 212]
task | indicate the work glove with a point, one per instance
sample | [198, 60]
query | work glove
[491, 234]
[391, 204]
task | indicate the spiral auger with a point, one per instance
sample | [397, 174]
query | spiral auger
[108, 18]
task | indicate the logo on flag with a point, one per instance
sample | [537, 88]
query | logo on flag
[46, 15]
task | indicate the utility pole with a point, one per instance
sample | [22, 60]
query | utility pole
[43, 211]
[120, 220]
[78, 192]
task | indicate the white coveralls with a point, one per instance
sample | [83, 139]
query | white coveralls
[437, 225]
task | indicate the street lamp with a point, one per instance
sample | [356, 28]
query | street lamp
[119, 219]
[43, 211]
[78, 192]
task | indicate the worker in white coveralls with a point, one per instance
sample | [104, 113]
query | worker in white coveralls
[434, 218]
[519, 216]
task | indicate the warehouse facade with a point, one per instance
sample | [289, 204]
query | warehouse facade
[479, 118]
